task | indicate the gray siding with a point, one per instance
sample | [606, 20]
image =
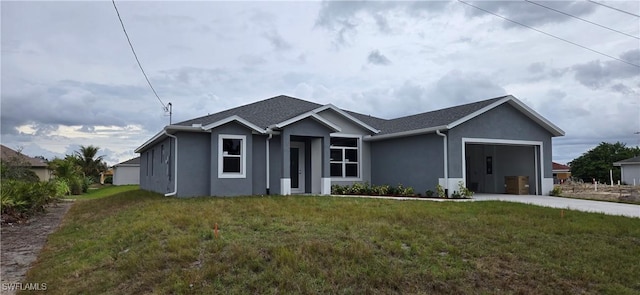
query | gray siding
[259, 164]
[415, 161]
[304, 128]
[231, 186]
[346, 125]
[154, 167]
[502, 122]
[193, 164]
[631, 172]
[275, 168]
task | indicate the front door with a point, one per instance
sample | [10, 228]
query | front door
[296, 154]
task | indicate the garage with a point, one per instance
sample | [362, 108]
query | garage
[487, 162]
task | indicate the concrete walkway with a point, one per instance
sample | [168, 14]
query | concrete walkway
[608, 208]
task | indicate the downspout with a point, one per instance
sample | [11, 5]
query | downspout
[446, 160]
[267, 159]
[175, 167]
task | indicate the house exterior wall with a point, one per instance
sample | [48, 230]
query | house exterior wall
[259, 164]
[193, 164]
[43, 173]
[630, 174]
[415, 161]
[123, 175]
[231, 186]
[153, 168]
[502, 122]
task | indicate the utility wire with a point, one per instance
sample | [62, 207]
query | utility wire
[582, 19]
[610, 7]
[136, 56]
[550, 35]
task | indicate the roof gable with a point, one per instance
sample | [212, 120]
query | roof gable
[262, 114]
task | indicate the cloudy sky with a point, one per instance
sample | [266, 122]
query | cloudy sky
[69, 77]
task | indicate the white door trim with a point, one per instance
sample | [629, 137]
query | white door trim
[301, 168]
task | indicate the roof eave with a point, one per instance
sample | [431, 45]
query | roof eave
[406, 133]
[163, 133]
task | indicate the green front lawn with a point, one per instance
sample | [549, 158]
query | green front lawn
[140, 242]
[105, 191]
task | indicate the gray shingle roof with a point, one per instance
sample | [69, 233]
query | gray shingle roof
[281, 108]
[10, 154]
[263, 113]
[424, 120]
[634, 160]
[134, 161]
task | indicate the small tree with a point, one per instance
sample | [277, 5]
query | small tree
[16, 167]
[90, 163]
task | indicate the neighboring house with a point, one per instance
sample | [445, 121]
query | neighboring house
[38, 166]
[629, 170]
[560, 172]
[127, 172]
[284, 145]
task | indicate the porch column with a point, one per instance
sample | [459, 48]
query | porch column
[325, 182]
[285, 180]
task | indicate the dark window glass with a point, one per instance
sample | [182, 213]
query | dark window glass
[336, 170]
[352, 170]
[343, 141]
[231, 146]
[351, 155]
[231, 164]
[336, 155]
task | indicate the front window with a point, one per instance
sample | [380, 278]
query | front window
[345, 157]
[231, 156]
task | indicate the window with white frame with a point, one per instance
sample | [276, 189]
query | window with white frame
[232, 156]
[345, 155]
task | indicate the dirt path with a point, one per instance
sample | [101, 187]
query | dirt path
[21, 244]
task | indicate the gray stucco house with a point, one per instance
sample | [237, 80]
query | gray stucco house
[284, 145]
[630, 170]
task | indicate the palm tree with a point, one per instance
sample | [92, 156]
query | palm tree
[90, 164]
[66, 168]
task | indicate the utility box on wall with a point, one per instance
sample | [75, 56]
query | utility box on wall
[516, 185]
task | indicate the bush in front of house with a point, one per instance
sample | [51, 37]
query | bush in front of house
[23, 197]
[365, 189]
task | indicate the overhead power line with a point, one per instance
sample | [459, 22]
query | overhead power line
[136, 56]
[550, 35]
[611, 7]
[582, 19]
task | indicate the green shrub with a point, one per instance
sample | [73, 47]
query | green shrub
[440, 190]
[464, 191]
[26, 197]
[556, 191]
[75, 185]
[62, 187]
[337, 189]
[429, 193]
[108, 180]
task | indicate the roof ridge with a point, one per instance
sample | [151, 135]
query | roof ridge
[247, 105]
[452, 107]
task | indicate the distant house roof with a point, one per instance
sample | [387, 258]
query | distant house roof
[276, 112]
[8, 154]
[560, 167]
[131, 163]
[631, 161]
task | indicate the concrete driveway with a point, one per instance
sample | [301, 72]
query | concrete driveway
[608, 208]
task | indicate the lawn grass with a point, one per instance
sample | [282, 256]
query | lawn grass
[140, 242]
[101, 192]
